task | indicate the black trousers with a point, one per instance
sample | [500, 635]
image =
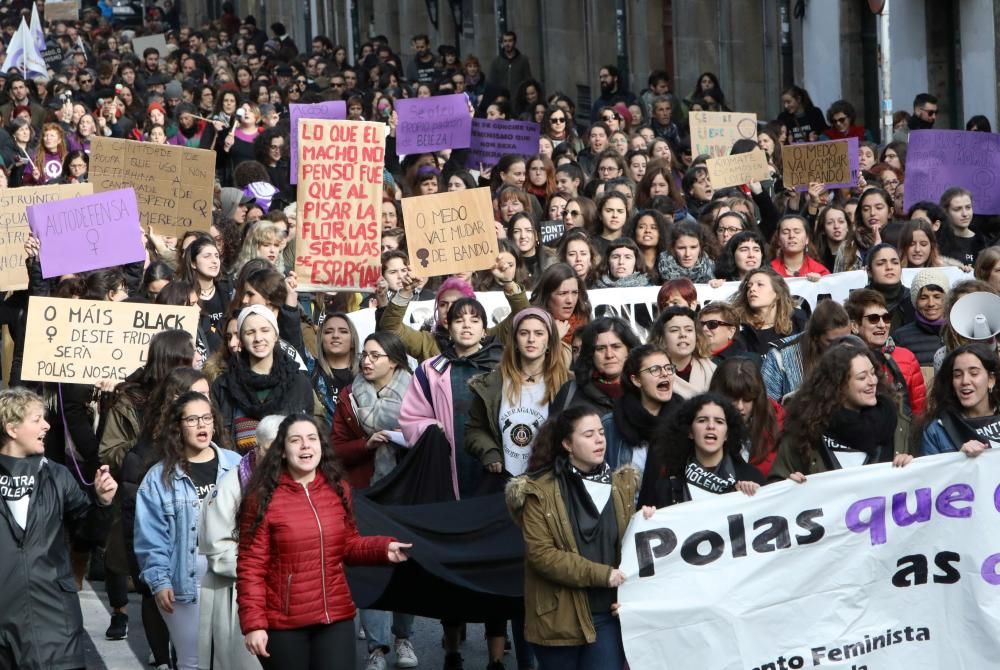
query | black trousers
[319, 647]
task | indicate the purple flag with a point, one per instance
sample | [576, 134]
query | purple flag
[936, 160]
[331, 110]
[87, 233]
[432, 124]
[494, 138]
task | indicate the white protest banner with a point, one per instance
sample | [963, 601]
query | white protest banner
[638, 305]
[83, 341]
[872, 567]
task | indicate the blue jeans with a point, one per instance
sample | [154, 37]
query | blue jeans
[378, 630]
[606, 653]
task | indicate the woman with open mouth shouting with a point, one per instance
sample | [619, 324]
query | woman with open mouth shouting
[297, 531]
[169, 503]
[699, 455]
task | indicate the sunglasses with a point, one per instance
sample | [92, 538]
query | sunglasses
[873, 319]
[559, 120]
[713, 324]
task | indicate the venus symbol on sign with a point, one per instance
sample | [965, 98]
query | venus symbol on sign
[93, 237]
[50, 332]
[423, 254]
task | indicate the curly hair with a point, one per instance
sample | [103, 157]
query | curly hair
[675, 446]
[171, 436]
[942, 398]
[822, 393]
[267, 472]
[14, 406]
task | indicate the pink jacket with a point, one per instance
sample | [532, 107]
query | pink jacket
[417, 412]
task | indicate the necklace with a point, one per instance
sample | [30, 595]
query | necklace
[207, 293]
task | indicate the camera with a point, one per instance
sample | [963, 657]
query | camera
[66, 95]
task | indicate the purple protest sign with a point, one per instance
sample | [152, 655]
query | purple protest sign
[432, 124]
[87, 233]
[335, 110]
[936, 160]
[494, 138]
[852, 158]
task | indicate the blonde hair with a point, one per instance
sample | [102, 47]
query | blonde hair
[262, 232]
[14, 406]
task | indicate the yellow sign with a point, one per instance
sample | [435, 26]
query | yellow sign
[83, 341]
[738, 169]
[450, 232]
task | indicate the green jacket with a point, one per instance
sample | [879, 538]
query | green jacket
[482, 427]
[422, 344]
[556, 576]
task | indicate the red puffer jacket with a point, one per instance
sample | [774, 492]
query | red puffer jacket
[914, 379]
[290, 573]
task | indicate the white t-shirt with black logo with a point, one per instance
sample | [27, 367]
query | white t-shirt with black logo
[519, 423]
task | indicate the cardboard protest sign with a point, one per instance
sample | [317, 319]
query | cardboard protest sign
[158, 42]
[714, 133]
[450, 232]
[431, 124]
[826, 163]
[738, 169]
[87, 233]
[83, 341]
[492, 139]
[174, 186]
[865, 561]
[68, 10]
[339, 237]
[331, 109]
[939, 159]
[14, 230]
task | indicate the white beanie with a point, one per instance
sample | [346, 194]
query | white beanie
[928, 277]
[259, 310]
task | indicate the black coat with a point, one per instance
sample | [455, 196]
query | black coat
[760, 342]
[138, 460]
[921, 339]
[41, 625]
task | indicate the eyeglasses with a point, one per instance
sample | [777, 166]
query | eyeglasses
[732, 230]
[373, 355]
[873, 319]
[660, 370]
[609, 117]
[839, 119]
[930, 112]
[713, 324]
[192, 421]
[561, 119]
[890, 183]
[85, 81]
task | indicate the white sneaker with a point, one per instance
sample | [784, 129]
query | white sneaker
[376, 661]
[405, 656]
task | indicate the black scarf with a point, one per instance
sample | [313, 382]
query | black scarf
[595, 531]
[870, 430]
[245, 385]
[721, 480]
[634, 421]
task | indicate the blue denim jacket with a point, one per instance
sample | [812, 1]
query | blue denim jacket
[166, 529]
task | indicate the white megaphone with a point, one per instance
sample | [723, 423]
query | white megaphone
[976, 316]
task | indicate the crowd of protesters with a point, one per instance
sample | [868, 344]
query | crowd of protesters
[218, 480]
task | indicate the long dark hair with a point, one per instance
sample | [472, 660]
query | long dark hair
[549, 282]
[725, 263]
[171, 442]
[740, 379]
[267, 472]
[168, 349]
[177, 382]
[829, 314]
[822, 393]
[942, 398]
[675, 446]
[548, 442]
